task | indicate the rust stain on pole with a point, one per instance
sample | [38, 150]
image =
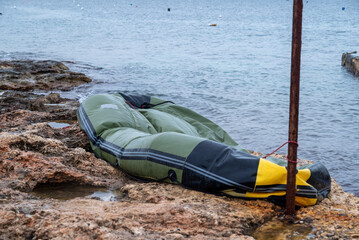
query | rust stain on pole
[294, 105]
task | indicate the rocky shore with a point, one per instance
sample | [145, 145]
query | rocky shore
[36, 152]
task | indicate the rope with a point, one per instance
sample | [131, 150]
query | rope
[130, 104]
[289, 160]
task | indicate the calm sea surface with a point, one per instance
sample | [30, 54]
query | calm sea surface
[236, 74]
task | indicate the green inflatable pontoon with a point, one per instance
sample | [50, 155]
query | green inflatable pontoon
[153, 139]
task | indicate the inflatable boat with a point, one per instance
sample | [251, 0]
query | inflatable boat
[157, 140]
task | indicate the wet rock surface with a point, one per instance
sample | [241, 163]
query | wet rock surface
[28, 75]
[34, 154]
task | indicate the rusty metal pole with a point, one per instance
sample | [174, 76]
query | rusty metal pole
[294, 106]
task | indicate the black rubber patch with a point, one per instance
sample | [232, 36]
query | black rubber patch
[320, 179]
[213, 167]
[136, 101]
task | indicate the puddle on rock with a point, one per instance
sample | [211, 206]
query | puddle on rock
[278, 230]
[61, 123]
[67, 191]
[108, 195]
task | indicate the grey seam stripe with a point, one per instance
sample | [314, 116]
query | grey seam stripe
[298, 193]
[308, 191]
[306, 194]
[208, 174]
[86, 126]
[229, 182]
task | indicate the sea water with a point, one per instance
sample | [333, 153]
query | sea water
[236, 73]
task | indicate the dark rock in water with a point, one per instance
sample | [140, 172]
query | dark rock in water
[28, 75]
[351, 62]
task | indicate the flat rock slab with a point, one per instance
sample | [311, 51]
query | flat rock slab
[351, 62]
[29, 75]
